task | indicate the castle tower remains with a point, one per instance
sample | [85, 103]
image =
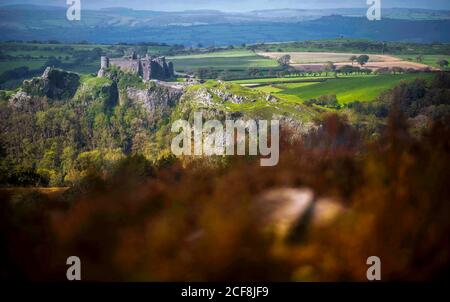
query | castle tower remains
[104, 62]
[104, 65]
[147, 67]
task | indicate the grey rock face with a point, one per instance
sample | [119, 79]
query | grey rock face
[101, 73]
[229, 97]
[298, 128]
[158, 99]
[271, 99]
[112, 92]
[54, 83]
[21, 101]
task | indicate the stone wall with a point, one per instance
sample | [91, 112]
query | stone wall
[149, 68]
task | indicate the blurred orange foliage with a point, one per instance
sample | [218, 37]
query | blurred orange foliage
[196, 221]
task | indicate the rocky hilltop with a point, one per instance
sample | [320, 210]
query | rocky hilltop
[160, 99]
[74, 122]
[54, 83]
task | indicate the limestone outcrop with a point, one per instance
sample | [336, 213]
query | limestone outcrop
[158, 99]
[54, 84]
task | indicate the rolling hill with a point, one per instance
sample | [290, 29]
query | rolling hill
[22, 22]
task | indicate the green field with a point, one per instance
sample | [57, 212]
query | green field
[430, 60]
[356, 46]
[227, 60]
[362, 88]
[85, 58]
[261, 81]
[292, 79]
[82, 58]
[222, 54]
[31, 64]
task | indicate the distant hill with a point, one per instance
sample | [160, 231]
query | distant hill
[24, 22]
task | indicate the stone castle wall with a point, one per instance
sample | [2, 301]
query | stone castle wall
[149, 68]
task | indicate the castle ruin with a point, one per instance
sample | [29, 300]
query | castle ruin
[148, 68]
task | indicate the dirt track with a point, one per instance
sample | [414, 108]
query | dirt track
[313, 61]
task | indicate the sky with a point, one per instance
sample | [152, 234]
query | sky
[237, 5]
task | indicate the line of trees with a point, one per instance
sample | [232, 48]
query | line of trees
[361, 60]
[443, 63]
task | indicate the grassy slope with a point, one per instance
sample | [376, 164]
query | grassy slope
[281, 80]
[364, 88]
[255, 104]
[293, 79]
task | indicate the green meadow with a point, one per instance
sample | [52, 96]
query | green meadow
[222, 54]
[31, 64]
[268, 81]
[226, 60]
[362, 88]
[430, 60]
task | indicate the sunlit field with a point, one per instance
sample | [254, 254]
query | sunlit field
[363, 88]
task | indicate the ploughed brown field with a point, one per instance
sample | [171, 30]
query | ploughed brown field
[313, 61]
